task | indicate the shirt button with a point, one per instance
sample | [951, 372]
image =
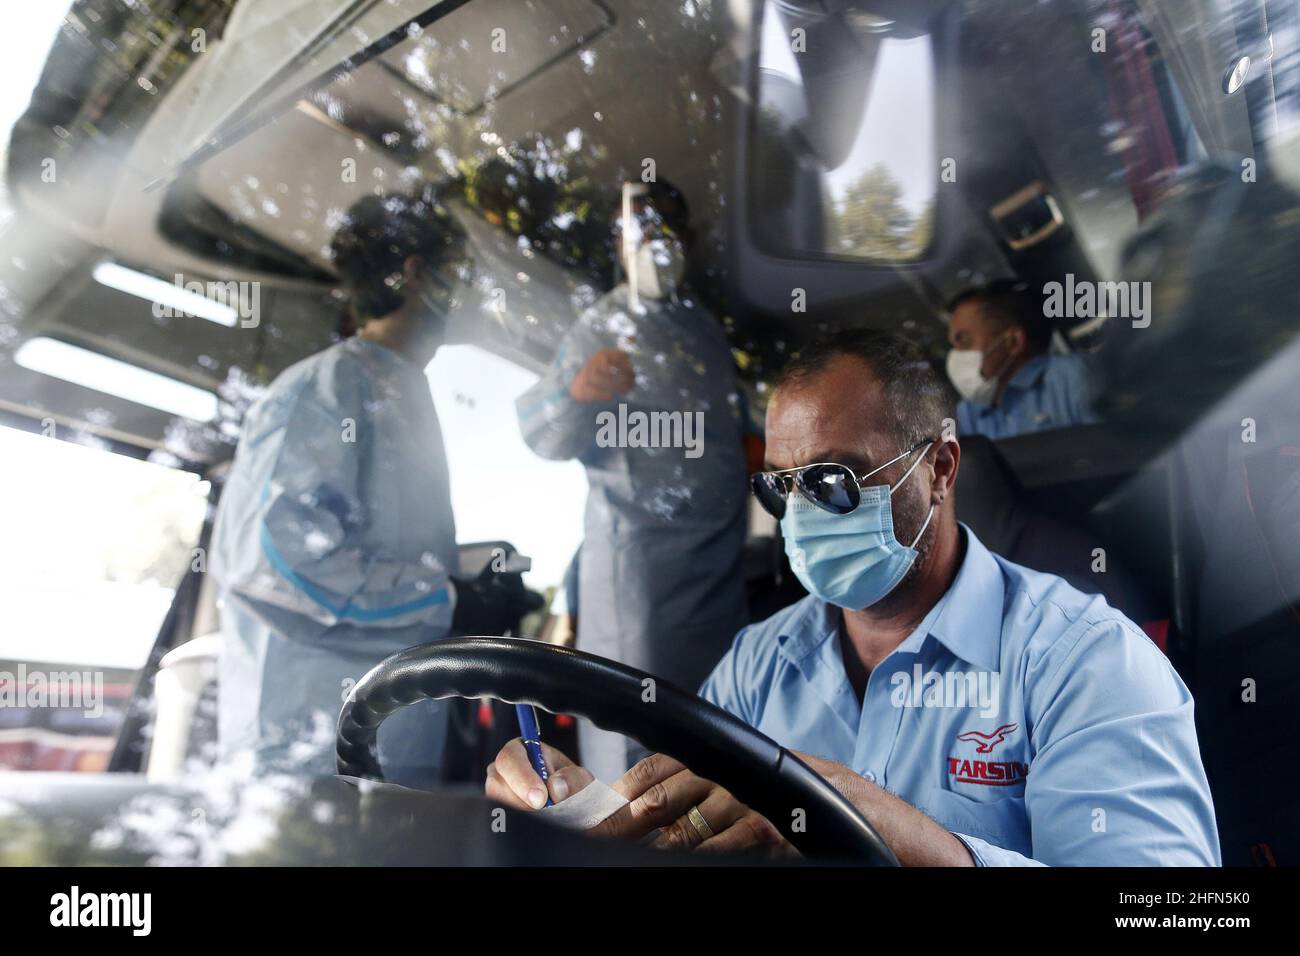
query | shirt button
[871, 777]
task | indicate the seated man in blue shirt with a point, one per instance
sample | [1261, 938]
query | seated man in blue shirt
[975, 711]
[1009, 382]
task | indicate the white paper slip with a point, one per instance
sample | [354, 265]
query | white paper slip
[586, 808]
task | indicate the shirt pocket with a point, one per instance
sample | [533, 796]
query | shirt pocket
[1001, 822]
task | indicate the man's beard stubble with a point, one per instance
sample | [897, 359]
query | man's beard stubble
[910, 507]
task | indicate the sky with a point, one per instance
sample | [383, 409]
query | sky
[499, 488]
[74, 517]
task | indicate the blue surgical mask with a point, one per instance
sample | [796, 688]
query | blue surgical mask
[852, 560]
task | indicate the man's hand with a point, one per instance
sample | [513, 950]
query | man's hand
[606, 374]
[661, 793]
[511, 779]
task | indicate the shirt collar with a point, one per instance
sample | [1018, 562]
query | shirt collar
[810, 629]
[967, 619]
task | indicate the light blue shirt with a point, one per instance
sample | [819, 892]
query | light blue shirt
[1049, 391]
[1036, 723]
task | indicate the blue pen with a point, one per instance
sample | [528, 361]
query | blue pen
[533, 742]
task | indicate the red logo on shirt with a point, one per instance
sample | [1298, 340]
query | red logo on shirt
[987, 773]
[988, 741]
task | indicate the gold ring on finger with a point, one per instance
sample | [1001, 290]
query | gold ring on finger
[701, 825]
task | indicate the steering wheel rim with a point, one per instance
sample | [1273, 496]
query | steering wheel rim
[811, 814]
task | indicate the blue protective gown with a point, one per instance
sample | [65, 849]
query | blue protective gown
[661, 582]
[332, 549]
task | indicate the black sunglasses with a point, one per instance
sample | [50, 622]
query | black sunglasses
[830, 486]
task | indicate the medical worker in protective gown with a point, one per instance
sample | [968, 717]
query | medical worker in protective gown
[661, 580]
[335, 543]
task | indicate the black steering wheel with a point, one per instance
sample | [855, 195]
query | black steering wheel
[810, 813]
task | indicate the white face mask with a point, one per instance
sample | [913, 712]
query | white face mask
[964, 371]
[659, 267]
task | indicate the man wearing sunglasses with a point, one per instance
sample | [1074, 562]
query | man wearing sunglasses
[975, 711]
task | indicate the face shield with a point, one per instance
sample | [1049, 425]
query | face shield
[653, 256]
